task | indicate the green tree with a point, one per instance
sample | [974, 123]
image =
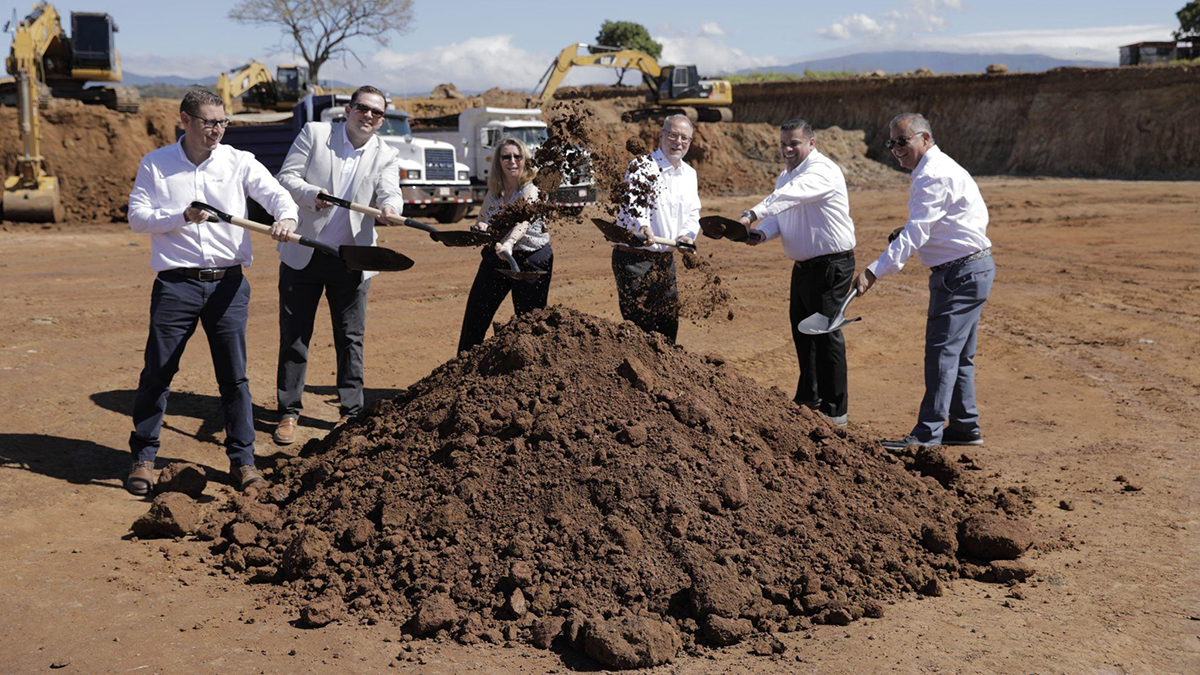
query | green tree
[326, 29]
[626, 35]
[1189, 21]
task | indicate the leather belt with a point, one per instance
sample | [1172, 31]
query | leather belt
[824, 259]
[206, 273]
[977, 255]
[641, 251]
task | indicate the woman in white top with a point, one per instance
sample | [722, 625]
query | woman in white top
[510, 181]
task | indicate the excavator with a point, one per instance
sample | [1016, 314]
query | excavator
[45, 62]
[673, 89]
[253, 82]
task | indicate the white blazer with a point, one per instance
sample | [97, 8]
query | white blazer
[309, 169]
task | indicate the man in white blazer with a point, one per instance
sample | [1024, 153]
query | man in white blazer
[346, 160]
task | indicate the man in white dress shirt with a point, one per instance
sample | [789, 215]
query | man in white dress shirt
[645, 275]
[947, 227]
[810, 211]
[199, 266]
[349, 161]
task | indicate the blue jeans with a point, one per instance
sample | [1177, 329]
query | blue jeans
[956, 298]
[177, 304]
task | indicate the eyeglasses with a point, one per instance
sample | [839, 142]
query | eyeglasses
[368, 110]
[900, 141]
[211, 124]
[676, 136]
[511, 158]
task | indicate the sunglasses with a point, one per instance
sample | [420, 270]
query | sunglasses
[211, 124]
[511, 157]
[899, 141]
[368, 110]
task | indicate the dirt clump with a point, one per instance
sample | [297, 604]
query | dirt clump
[582, 483]
[173, 514]
[184, 477]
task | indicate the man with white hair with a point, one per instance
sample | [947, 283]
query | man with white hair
[947, 227]
[645, 275]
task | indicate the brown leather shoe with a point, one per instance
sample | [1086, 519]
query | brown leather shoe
[285, 433]
[247, 477]
[141, 477]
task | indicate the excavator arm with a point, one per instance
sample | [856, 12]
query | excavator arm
[241, 80]
[623, 59]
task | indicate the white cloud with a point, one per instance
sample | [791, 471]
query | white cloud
[474, 64]
[915, 17]
[187, 65]
[707, 50]
[711, 28]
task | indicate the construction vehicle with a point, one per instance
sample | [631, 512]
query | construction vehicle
[476, 132]
[431, 180]
[257, 89]
[673, 89]
[61, 66]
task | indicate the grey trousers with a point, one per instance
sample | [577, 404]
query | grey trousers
[299, 294]
[956, 298]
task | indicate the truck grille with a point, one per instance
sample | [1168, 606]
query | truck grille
[439, 165]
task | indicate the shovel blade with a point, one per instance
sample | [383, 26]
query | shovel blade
[460, 238]
[615, 233]
[374, 259]
[716, 227]
[522, 275]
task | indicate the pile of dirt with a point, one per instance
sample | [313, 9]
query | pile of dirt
[581, 483]
[93, 151]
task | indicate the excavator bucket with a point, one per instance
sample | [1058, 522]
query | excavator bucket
[30, 204]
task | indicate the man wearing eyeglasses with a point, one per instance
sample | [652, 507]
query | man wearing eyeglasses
[199, 266]
[645, 275]
[947, 227]
[810, 211]
[346, 160]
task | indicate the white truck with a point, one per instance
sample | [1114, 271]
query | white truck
[433, 182]
[475, 133]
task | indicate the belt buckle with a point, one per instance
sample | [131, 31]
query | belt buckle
[209, 274]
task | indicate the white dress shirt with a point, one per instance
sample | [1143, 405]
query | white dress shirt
[166, 185]
[809, 210]
[947, 218]
[676, 211]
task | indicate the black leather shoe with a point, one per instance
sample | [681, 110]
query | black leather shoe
[952, 437]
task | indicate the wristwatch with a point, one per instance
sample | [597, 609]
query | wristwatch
[749, 215]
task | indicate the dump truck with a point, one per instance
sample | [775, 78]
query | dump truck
[433, 181]
[476, 132]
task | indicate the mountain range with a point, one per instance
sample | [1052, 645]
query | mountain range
[938, 62]
[134, 80]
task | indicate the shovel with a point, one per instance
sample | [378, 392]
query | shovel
[716, 227]
[514, 271]
[819, 324]
[361, 258]
[447, 237]
[620, 235]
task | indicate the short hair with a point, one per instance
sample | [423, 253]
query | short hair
[916, 123]
[198, 97]
[495, 182]
[679, 118]
[805, 128]
[366, 89]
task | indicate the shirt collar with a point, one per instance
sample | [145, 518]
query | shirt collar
[664, 164]
[183, 155]
[931, 152]
[348, 147]
[802, 165]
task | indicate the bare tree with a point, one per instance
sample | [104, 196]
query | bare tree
[324, 29]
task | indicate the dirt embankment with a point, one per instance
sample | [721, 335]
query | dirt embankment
[1137, 123]
[93, 151]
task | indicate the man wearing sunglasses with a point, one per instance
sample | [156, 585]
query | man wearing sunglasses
[810, 212]
[645, 275]
[199, 280]
[947, 227]
[347, 160]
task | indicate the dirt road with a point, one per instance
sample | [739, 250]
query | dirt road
[1086, 371]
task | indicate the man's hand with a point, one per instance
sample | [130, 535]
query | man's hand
[895, 233]
[282, 229]
[388, 212]
[747, 218]
[864, 281]
[193, 215]
[321, 203]
[686, 240]
[646, 232]
[754, 237]
[480, 226]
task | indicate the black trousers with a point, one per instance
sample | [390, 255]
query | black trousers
[177, 305]
[819, 286]
[647, 292]
[299, 295]
[490, 288]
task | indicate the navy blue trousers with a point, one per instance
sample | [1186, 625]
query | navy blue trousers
[177, 305]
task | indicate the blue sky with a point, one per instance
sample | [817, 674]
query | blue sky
[477, 44]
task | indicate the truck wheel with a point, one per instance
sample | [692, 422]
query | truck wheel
[451, 213]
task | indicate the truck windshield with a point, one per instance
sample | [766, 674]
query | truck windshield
[532, 137]
[394, 126]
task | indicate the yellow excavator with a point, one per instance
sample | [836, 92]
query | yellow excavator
[257, 89]
[673, 89]
[45, 62]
